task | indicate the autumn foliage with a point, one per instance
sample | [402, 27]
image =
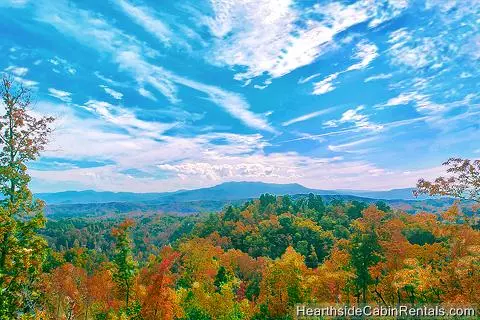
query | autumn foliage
[228, 268]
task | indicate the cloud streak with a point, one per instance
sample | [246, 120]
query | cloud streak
[347, 147]
[307, 117]
[232, 103]
[113, 93]
[126, 119]
[142, 16]
[61, 95]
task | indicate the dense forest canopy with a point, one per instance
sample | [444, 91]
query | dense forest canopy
[259, 259]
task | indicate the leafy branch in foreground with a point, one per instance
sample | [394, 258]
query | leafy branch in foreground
[463, 182]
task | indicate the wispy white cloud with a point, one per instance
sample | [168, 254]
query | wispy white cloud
[307, 136]
[89, 28]
[166, 28]
[109, 80]
[150, 23]
[230, 169]
[18, 74]
[473, 47]
[62, 64]
[307, 79]
[326, 85]
[322, 135]
[18, 71]
[353, 116]
[307, 116]
[406, 122]
[410, 52]
[422, 102]
[126, 119]
[347, 147]
[65, 96]
[26, 82]
[13, 3]
[147, 94]
[356, 129]
[231, 102]
[391, 9]
[402, 99]
[145, 72]
[365, 52]
[381, 76]
[265, 84]
[432, 60]
[266, 38]
[115, 94]
[260, 87]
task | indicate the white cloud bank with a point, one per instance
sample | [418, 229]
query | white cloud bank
[192, 162]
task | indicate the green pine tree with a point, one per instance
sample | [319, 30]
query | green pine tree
[365, 252]
[126, 266]
[311, 260]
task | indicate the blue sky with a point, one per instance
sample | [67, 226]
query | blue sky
[184, 94]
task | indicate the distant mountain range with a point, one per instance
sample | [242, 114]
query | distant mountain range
[93, 204]
[228, 191]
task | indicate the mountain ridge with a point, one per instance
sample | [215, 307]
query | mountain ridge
[228, 191]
